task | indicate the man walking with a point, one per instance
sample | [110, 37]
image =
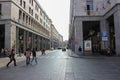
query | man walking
[34, 56]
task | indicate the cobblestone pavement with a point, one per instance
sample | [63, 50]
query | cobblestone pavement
[58, 65]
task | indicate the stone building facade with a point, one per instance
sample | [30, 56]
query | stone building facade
[96, 21]
[24, 24]
[56, 38]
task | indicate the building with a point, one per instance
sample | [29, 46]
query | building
[94, 25]
[60, 41]
[56, 38]
[24, 24]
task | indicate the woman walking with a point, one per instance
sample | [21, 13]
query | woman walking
[12, 58]
[27, 54]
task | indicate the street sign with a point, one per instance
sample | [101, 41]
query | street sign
[104, 36]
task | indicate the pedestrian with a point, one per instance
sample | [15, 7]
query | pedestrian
[34, 56]
[80, 50]
[27, 54]
[43, 51]
[108, 51]
[12, 57]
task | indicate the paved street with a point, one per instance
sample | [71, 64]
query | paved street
[58, 65]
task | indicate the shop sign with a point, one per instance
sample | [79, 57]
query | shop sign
[87, 45]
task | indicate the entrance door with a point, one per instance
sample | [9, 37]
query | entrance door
[91, 31]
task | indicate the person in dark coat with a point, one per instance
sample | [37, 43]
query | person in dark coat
[43, 51]
[34, 56]
[12, 58]
[80, 50]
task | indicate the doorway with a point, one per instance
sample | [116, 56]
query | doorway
[91, 31]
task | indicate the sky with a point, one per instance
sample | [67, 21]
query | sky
[58, 12]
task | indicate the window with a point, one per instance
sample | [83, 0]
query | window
[20, 14]
[31, 12]
[40, 20]
[21, 2]
[0, 9]
[36, 16]
[23, 16]
[44, 23]
[90, 5]
[26, 19]
[29, 20]
[29, 9]
[41, 13]
[36, 7]
[32, 2]
[24, 4]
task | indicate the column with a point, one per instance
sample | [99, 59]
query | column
[17, 40]
[8, 35]
[33, 41]
[27, 38]
[25, 41]
[38, 42]
[117, 31]
[78, 38]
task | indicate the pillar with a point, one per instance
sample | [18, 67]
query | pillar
[17, 40]
[8, 35]
[78, 39]
[25, 41]
[117, 31]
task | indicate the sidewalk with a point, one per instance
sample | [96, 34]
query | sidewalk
[74, 55]
[5, 60]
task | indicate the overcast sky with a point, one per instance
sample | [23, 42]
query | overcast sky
[58, 12]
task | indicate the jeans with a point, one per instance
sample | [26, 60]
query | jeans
[34, 58]
[27, 60]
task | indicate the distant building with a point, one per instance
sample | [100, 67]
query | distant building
[56, 38]
[97, 22]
